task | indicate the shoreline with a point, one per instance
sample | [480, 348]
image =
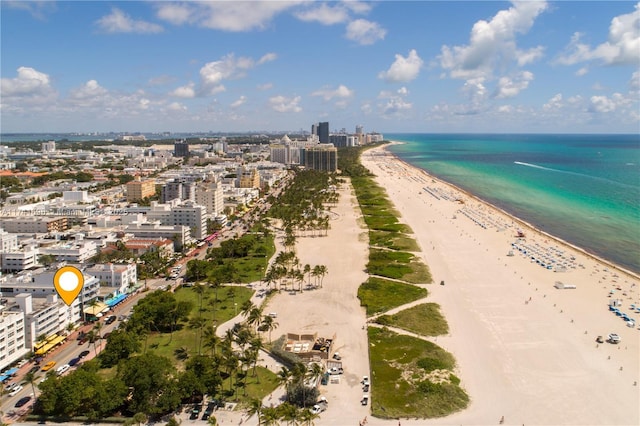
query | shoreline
[524, 223]
[521, 345]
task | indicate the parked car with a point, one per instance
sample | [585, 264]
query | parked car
[22, 401]
[337, 356]
[74, 361]
[317, 409]
[195, 412]
[83, 354]
[15, 390]
[63, 369]
[11, 386]
[48, 366]
[111, 319]
[209, 410]
[613, 338]
[365, 399]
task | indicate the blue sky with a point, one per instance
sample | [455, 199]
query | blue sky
[391, 66]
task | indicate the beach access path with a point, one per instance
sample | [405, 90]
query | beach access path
[525, 350]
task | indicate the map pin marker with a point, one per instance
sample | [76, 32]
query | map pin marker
[68, 282]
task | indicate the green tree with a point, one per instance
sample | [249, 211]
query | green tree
[120, 345]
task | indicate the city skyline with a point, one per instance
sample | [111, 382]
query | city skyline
[493, 67]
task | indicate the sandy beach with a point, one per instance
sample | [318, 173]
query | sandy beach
[525, 350]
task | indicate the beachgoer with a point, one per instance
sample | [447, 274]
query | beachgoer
[501, 419]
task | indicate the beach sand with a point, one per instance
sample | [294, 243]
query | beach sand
[525, 350]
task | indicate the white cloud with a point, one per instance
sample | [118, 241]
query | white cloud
[616, 102]
[394, 104]
[493, 42]
[582, 71]
[268, 57]
[90, 90]
[234, 16]
[601, 104]
[176, 14]
[508, 87]
[28, 83]
[228, 68]
[324, 14]
[365, 32]
[283, 104]
[176, 107]
[403, 69]
[621, 48]
[634, 82]
[186, 91]
[524, 57]
[120, 22]
[240, 101]
[475, 90]
[265, 86]
[554, 103]
[37, 9]
[341, 92]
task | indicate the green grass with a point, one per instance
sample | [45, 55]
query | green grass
[401, 384]
[221, 311]
[392, 241]
[257, 387]
[379, 295]
[424, 319]
[399, 265]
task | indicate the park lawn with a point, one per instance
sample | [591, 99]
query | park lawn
[215, 313]
[379, 295]
[412, 377]
[257, 387]
[424, 319]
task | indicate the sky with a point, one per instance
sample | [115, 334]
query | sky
[390, 66]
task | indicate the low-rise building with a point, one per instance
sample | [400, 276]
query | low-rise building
[118, 277]
[34, 224]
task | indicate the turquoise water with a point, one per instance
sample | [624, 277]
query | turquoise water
[584, 189]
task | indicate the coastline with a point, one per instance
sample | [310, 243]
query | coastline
[522, 222]
[524, 349]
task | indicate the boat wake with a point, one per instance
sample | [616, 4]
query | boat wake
[535, 166]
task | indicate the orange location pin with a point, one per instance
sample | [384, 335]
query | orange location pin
[68, 282]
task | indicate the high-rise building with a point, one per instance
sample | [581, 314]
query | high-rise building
[181, 148]
[179, 189]
[322, 157]
[359, 129]
[323, 132]
[49, 146]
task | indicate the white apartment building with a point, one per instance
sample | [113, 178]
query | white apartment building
[211, 196]
[8, 241]
[19, 260]
[179, 234]
[78, 251]
[49, 146]
[118, 277]
[75, 196]
[188, 214]
[39, 284]
[12, 337]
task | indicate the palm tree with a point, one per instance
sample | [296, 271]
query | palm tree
[210, 338]
[198, 324]
[269, 416]
[246, 308]
[323, 271]
[255, 407]
[255, 317]
[268, 324]
[31, 378]
[316, 273]
[307, 270]
[284, 378]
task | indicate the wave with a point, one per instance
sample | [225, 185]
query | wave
[535, 166]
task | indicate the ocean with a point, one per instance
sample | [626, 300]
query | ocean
[584, 189]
